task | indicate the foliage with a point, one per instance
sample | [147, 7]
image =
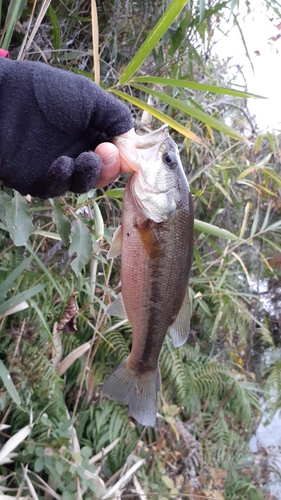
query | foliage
[67, 439]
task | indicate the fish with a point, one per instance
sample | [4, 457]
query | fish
[155, 241]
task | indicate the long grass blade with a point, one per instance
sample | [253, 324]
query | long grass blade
[205, 227]
[153, 38]
[14, 12]
[9, 304]
[95, 37]
[14, 441]
[8, 383]
[194, 112]
[202, 87]
[161, 116]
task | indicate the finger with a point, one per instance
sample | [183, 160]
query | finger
[126, 144]
[110, 163]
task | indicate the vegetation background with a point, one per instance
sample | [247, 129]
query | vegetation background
[59, 437]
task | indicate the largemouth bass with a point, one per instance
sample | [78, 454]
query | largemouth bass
[156, 245]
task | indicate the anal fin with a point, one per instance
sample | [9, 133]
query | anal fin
[117, 308]
[179, 330]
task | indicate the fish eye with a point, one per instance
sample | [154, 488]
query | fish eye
[170, 159]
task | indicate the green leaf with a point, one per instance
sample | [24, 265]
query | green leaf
[168, 482]
[56, 28]
[20, 297]
[153, 38]
[4, 199]
[203, 87]
[194, 112]
[47, 234]
[14, 12]
[61, 221]
[81, 244]
[205, 227]
[8, 383]
[18, 219]
[161, 116]
[202, 9]
[115, 193]
[99, 224]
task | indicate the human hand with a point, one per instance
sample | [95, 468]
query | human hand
[112, 162]
[56, 119]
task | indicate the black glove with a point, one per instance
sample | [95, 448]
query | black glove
[50, 122]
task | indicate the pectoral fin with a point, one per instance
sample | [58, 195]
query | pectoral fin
[117, 308]
[180, 328]
[116, 244]
[149, 240]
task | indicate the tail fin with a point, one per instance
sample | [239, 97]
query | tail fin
[139, 390]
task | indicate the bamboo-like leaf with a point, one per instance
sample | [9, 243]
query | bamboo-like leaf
[275, 227]
[255, 222]
[29, 484]
[194, 112]
[242, 265]
[248, 171]
[81, 244]
[153, 38]
[61, 221]
[14, 12]
[121, 483]
[201, 9]
[14, 441]
[258, 143]
[99, 456]
[56, 28]
[245, 219]
[161, 116]
[224, 192]
[273, 175]
[8, 383]
[20, 307]
[47, 234]
[18, 219]
[95, 37]
[202, 87]
[266, 219]
[99, 224]
[72, 356]
[115, 193]
[19, 298]
[205, 227]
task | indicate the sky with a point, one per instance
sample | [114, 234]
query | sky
[263, 39]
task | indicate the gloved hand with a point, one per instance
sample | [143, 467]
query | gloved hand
[51, 121]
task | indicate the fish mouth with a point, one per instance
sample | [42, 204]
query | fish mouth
[153, 138]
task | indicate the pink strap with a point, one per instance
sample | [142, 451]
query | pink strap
[4, 53]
